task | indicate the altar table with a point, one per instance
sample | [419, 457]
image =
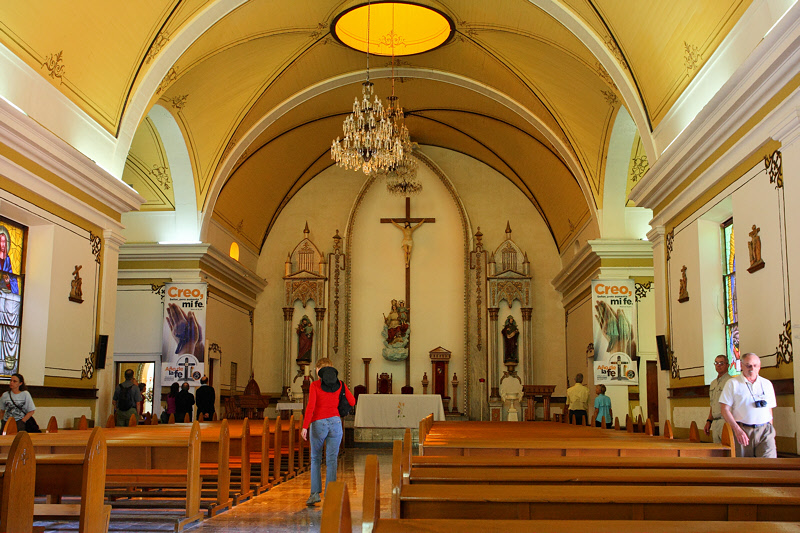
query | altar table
[397, 410]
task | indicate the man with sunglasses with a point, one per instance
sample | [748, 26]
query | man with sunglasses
[715, 422]
[746, 403]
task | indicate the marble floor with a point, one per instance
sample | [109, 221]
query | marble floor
[281, 509]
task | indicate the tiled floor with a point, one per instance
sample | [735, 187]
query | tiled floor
[281, 509]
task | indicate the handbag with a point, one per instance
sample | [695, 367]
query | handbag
[344, 405]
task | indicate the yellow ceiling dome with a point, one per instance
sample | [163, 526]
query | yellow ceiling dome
[410, 28]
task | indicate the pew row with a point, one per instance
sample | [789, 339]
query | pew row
[336, 518]
[17, 487]
[138, 457]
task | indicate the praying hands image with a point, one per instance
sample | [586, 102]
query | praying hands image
[186, 330]
[616, 329]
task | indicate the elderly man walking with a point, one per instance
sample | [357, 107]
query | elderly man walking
[578, 401]
[746, 403]
[715, 422]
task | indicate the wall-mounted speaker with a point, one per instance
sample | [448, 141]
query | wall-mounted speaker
[102, 348]
[663, 352]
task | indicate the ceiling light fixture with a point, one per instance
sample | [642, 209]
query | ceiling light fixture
[401, 178]
[369, 142]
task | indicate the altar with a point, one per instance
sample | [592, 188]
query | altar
[397, 410]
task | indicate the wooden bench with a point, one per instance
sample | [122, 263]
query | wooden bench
[144, 458]
[550, 438]
[17, 487]
[336, 518]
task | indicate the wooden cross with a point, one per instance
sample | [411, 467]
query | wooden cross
[412, 222]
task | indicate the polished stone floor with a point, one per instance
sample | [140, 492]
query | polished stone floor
[284, 507]
[281, 509]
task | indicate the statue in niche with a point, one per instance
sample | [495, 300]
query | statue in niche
[395, 332]
[683, 292]
[76, 292]
[510, 341]
[754, 247]
[305, 339]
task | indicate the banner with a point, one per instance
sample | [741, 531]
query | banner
[183, 340]
[614, 328]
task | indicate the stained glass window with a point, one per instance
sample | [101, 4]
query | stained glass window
[729, 286]
[12, 267]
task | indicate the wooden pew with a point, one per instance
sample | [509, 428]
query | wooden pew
[336, 518]
[145, 458]
[549, 438]
[607, 502]
[19, 474]
[215, 468]
[80, 475]
[52, 425]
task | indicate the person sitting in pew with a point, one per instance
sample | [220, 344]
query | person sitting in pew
[322, 415]
[16, 404]
[602, 406]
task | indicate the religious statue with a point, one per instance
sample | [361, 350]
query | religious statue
[76, 292]
[510, 341]
[754, 247]
[683, 292]
[407, 243]
[395, 333]
[305, 338]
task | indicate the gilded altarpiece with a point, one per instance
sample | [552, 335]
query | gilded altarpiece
[305, 279]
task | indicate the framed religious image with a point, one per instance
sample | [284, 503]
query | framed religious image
[13, 238]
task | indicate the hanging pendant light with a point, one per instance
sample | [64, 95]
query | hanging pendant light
[369, 141]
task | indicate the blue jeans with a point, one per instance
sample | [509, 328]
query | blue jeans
[329, 432]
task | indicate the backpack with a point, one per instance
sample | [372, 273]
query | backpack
[344, 405]
[125, 399]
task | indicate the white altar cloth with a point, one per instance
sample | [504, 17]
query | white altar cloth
[397, 410]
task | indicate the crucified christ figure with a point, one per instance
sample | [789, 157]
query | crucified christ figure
[408, 242]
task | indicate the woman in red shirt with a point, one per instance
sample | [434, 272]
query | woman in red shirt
[322, 415]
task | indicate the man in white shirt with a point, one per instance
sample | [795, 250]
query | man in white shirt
[578, 401]
[746, 403]
[715, 422]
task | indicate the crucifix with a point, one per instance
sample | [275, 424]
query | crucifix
[187, 369]
[407, 225]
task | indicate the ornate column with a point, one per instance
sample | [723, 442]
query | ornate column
[494, 373]
[288, 312]
[527, 345]
[319, 333]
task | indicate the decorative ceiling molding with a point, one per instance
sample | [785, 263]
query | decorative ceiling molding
[767, 70]
[33, 141]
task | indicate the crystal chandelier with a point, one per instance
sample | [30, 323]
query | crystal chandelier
[401, 178]
[369, 142]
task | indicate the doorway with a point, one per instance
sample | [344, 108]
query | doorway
[147, 371]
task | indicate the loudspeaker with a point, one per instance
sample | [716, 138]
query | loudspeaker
[663, 352]
[102, 348]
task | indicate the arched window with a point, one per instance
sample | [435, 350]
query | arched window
[234, 251]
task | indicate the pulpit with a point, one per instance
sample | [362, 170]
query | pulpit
[531, 392]
[250, 405]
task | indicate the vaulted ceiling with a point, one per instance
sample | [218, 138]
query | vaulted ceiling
[259, 88]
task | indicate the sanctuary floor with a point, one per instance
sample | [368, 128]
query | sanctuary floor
[281, 509]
